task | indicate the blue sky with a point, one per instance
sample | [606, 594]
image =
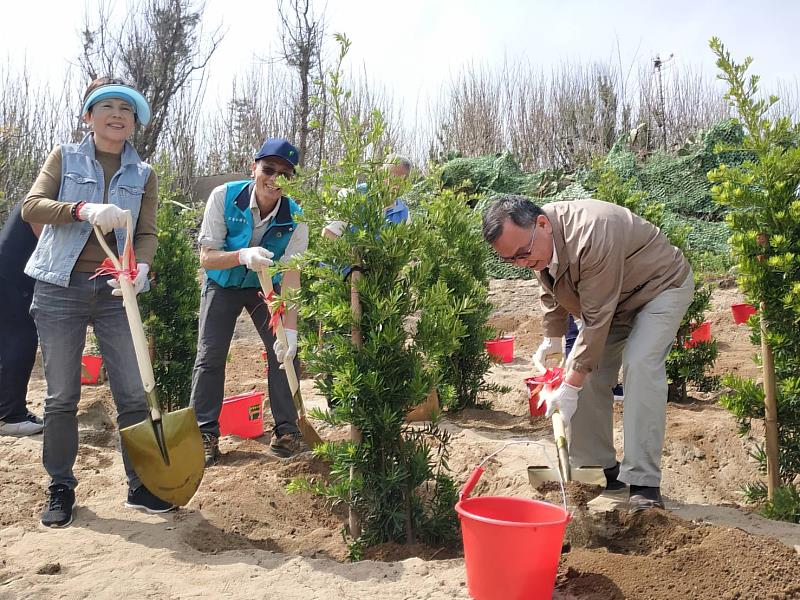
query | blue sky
[413, 47]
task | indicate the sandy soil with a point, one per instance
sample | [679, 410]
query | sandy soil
[243, 536]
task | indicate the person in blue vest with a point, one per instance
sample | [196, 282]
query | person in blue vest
[18, 339]
[89, 184]
[246, 226]
[398, 168]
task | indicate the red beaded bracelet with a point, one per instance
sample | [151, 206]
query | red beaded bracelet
[75, 211]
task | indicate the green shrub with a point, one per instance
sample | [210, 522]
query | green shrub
[454, 255]
[170, 308]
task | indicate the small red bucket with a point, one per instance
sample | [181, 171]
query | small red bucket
[700, 333]
[90, 368]
[242, 415]
[741, 312]
[511, 545]
[501, 348]
[550, 379]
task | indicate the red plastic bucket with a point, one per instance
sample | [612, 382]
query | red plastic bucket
[90, 368]
[242, 415]
[511, 545]
[741, 312]
[700, 333]
[550, 378]
[501, 348]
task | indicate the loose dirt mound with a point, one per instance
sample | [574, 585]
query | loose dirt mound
[655, 555]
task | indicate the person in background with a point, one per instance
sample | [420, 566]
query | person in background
[246, 226]
[81, 186]
[631, 287]
[398, 169]
[18, 339]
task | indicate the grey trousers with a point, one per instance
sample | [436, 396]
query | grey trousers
[61, 316]
[641, 347]
[219, 309]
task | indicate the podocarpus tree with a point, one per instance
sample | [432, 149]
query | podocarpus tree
[764, 216]
[170, 307]
[395, 477]
[454, 254]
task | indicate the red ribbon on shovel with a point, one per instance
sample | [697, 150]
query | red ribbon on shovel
[107, 267]
[277, 313]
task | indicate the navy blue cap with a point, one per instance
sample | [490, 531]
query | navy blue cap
[280, 148]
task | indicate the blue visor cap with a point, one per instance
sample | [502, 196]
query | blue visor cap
[280, 148]
[123, 92]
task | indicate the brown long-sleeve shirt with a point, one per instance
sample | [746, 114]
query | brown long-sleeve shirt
[610, 264]
[41, 206]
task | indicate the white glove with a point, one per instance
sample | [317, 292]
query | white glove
[563, 399]
[551, 349]
[283, 353]
[105, 216]
[255, 258]
[336, 228]
[138, 284]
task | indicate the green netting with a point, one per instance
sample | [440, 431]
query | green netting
[678, 181]
[484, 174]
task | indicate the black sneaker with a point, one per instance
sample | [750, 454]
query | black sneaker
[142, 498]
[60, 505]
[210, 449]
[287, 445]
[612, 483]
[643, 498]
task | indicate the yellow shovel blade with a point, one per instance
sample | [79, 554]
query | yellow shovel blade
[537, 475]
[177, 481]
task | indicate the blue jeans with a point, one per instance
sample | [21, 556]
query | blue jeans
[62, 315]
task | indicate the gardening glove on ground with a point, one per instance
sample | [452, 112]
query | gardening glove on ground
[551, 349]
[563, 399]
[336, 228]
[283, 353]
[255, 258]
[104, 216]
[142, 270]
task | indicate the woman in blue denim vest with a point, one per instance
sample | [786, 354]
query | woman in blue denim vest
[91, 183]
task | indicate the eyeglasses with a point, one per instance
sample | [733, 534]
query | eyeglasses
[521, 255]
[270, 172]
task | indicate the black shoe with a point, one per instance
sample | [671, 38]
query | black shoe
[643, 498]
[210, 449]
[612, 483]
[287, 444]
[60, 504]
[143, 499]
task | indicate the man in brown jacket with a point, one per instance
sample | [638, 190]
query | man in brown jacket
[630, 287]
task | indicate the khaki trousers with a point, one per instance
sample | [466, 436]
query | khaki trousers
[641, 347]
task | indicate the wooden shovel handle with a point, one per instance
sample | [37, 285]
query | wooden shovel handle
[280, 333]
[134, 320]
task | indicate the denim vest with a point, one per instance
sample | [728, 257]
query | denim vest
[239, 221]
[82, 180]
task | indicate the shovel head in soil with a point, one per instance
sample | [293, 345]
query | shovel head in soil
[307, 431]
[537, 475]
[166, 449]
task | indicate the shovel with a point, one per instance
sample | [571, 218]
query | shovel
[310, 435]
[539, 474]
[166, 449]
